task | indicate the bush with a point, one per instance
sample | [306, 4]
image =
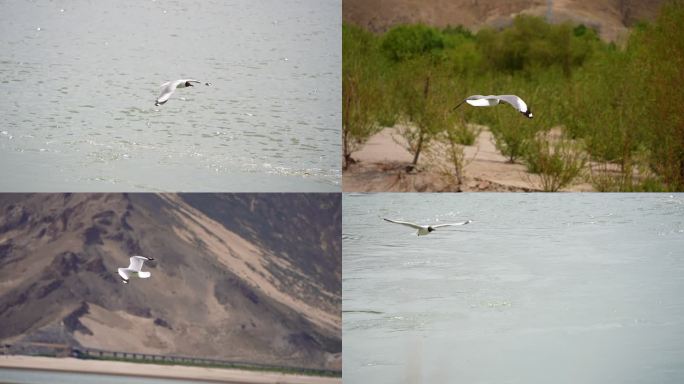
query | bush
[558, 163]
[406, 42]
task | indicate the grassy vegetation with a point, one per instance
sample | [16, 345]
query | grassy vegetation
[247, 367]
[622, 105]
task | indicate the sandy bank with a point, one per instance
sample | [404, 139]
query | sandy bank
[382, 160]
[159, 371]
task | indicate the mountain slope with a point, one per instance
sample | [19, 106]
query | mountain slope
[610, 17]
[223, 285]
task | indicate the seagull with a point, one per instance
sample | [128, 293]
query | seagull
[488, 101]
[134, 269]
[426, 229]
[169, 87]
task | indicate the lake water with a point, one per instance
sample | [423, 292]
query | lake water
[25, 376]
[79, 80]
[540, 288]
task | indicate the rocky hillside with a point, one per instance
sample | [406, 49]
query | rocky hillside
[610, 17]
[254, 278]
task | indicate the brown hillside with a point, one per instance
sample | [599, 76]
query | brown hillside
[255, 278]
[610, 17]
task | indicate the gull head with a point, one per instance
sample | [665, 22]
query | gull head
[188, 84]
[430, 229]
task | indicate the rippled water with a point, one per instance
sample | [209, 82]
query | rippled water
[540, 288]
[79, 79]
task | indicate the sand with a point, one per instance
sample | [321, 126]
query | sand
[382, 160]
[69, 364]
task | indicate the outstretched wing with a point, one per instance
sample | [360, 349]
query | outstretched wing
[136, 263]
[123, 272]
[406, 223]
[517, 103]
[479, 101]
[482, 101]
[451, 224]
[167, 90]
[459, 104]
[165, 94]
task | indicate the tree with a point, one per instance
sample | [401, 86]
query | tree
[360, 89]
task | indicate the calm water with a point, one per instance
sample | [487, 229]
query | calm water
[543, 288]
[24, 376]
[79, 79]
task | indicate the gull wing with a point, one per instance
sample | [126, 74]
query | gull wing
[136, 263]
[406, 223]
[167, 90]
[451, 224]
[517, 103]
[479, 101]
[482, 101]
[124, 273]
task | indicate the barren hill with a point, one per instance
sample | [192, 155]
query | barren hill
[255, 278]
[610, 17]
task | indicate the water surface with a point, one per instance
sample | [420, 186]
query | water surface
[540, 288]
[79, 80]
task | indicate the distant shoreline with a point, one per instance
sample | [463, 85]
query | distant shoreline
[175, 372]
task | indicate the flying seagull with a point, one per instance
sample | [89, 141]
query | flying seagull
[425, 229]
[169, 87]
[134, 269]
[488, 101]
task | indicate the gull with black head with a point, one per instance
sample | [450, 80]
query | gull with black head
[426, 229]
[169, 87]
[491, 100]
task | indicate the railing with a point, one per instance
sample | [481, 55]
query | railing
[61, 350]
[91, 353]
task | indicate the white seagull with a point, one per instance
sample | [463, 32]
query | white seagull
[488, 101]
[169, 87]
[426, 229]
[134, 269]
